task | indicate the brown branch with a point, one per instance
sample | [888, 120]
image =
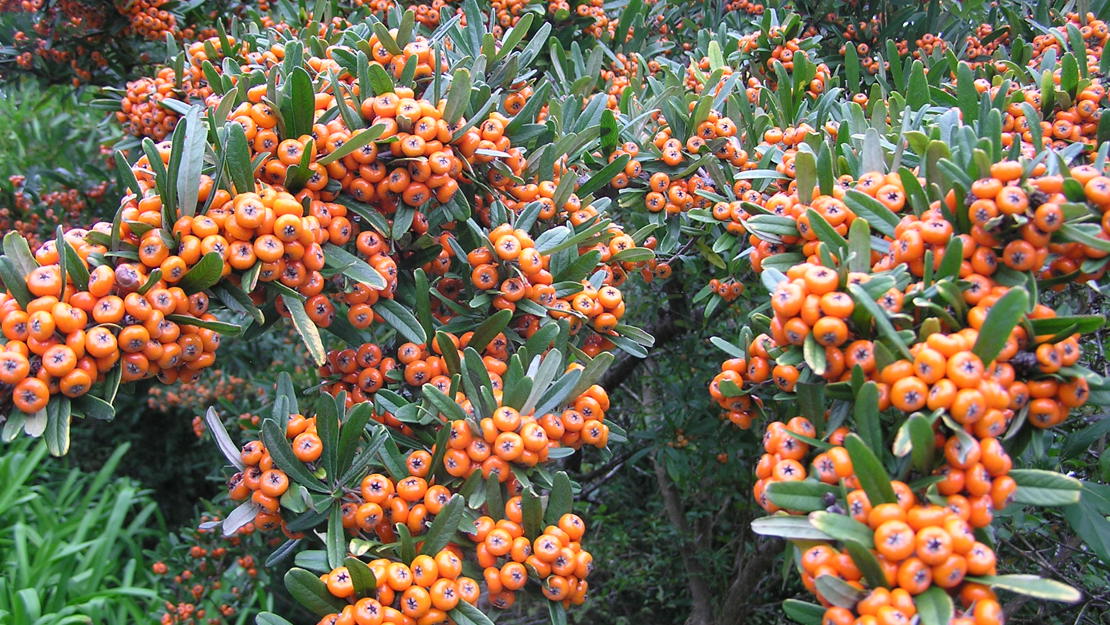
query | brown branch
[750, 571]
[702, 611]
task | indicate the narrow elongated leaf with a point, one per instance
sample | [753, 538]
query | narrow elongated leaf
[872, 476]
[222, 327]
[269, 618]
[311, 593]
[401, 320]
[838, 592]
[13, 280]
[867, 563]
[1000, 321]
[335, 542]
[788, 527]
[489, 328]
[560, 499]
[866, 413]
[467, 614]
[458, 96]
[273, 437]
[352, 266]
[1045, 488]
[238, 159]
[803, 612]
[192, 160]
[223, 440]
[1032, 586]
[442, 529]
[805, 496]
[842, 527]
[58, 416]
[242, 514]
[204, 274]
[934, 607]
[879, 217]
[357, 141]
[362, 577]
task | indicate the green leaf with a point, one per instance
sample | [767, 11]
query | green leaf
[788, 527]
[328, 410]
[449, 351]
[1085, 234]
[917, 92]
[401, 320]
[842, 527]
[489, 328]
[14, 281]
[76, 270]
[392, 459]
[495, 499]
[1088, 519]
[311, 593]
[357, 141]
[458, 96]
[380, 81]
[299, 94]
[334, 540]
[633, 255]
[950, 262]
[269, 618]
[879, 217]
[239, 167]
[362, 577]
[386, 39]
[803, 612]
[934, 607]
[872, 476]
[610, 135]
[922, 441]
[1083, 324]
[532, 509]
[422, 294]
[865, 411]
[805, 496]
[18, 251]
[1031, 586]
[192, 160]
[859, 246]
[467, 614]
[838, 592]
[124, 176]
[222, 327]
[408, 547]
[273, 437]
[604, 175]
[867, 563]
[1000, 321]
[1045, 488]
[882, 321]
[310, 334]
[560, 499]
[58, 416]
[353, 267]
[442, 529]
[94, 407]
[350, 432]
[826, 233]
[204, 274]
[557, 613]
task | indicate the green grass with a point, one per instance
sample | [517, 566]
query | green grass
[70, 542]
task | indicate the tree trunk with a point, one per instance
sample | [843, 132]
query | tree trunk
[701, 612]
[750, 570]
